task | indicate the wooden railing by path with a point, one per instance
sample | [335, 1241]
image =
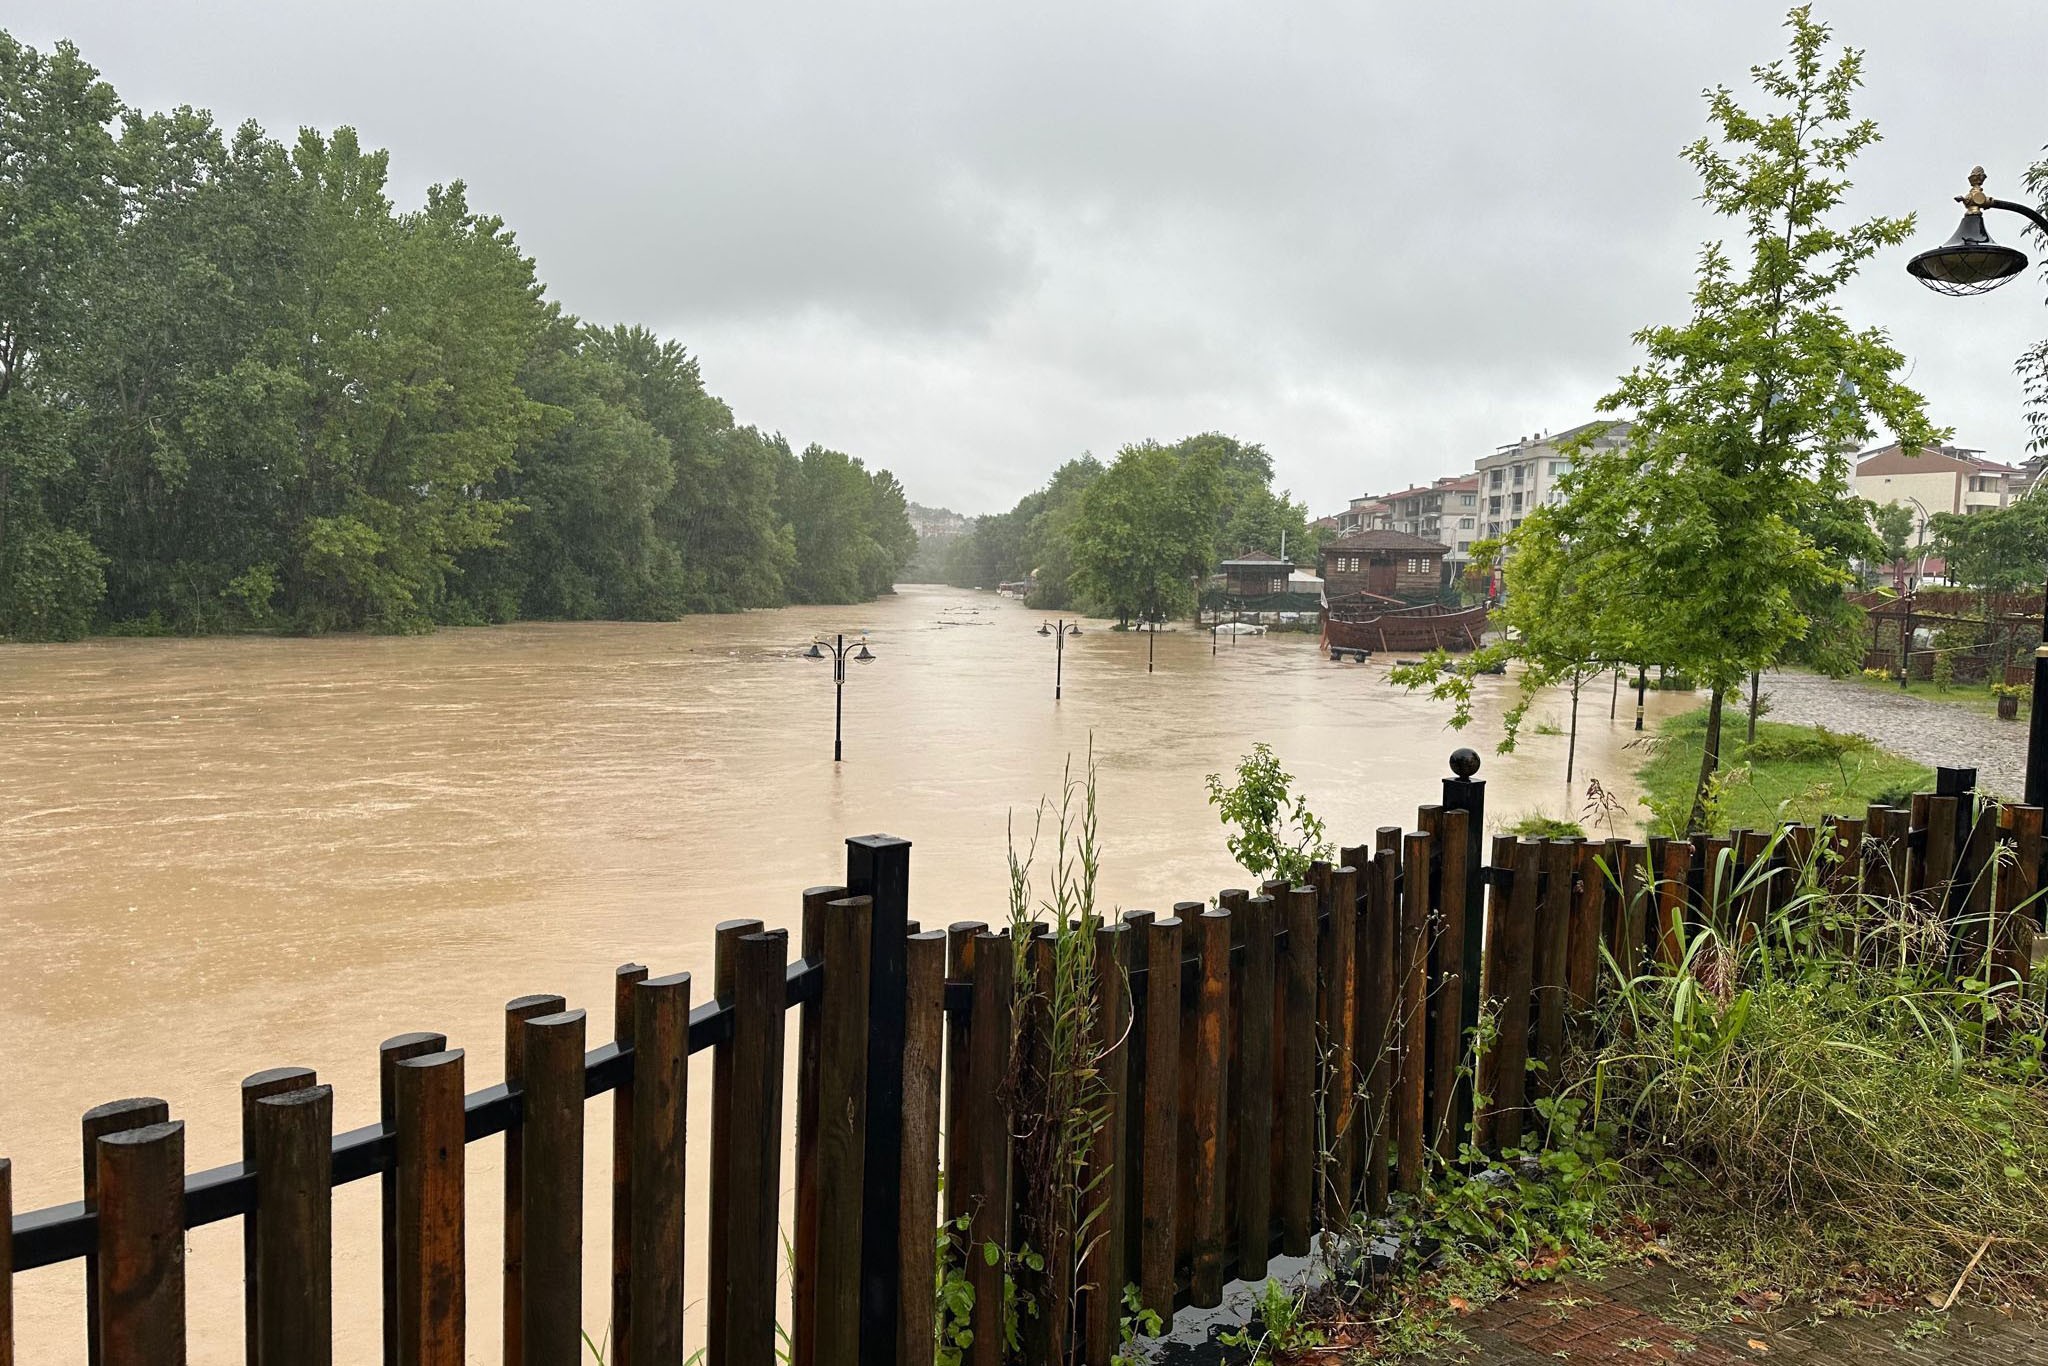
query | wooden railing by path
[1281, 1062]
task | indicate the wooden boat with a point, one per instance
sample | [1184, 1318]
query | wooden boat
[1359, 625]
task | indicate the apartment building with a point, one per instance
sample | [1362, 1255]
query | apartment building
[1937, 479]
[1522, 476]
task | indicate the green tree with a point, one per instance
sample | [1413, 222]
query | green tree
[2000, 551]
[1146, 530]
[1708, 541]
[60, 205]
[1893, 523]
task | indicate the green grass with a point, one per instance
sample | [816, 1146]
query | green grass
[1797, 773]
[1975, 696]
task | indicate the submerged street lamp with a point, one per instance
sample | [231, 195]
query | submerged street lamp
[1059, 631]
[1971, 263]
[838, 651]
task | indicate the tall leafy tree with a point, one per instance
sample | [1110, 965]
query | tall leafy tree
[1146, 530]
[60, 204]
[1710, 540]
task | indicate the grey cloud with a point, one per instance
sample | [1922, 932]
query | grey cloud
[968, 241]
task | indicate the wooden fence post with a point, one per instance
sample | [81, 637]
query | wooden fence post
[1379, 1045]
[1338, 1008]
[551, 1173]
[1104, 1301]
[923, 1043]
[390, 1053]
[753, 1170]
[2019, 912]
[293, 1135]
[517, 1012]
[427, 1111]
[142, 1246]
[842, 1128]
[1447, 1041]
[115, 1116]
[1252, 1179]
[1211, 1057]
[1465, 793]
[1298, 1061]
[1161, 1115]
[661, 1099]
[803, 1284]
[1552, 975]
[624, 980]
[1510, 951]
[985, 1144]
[878, 866]
[275, 1081]
[6, 1262]
[725, 939]
[960, 945]
[1412, 1091]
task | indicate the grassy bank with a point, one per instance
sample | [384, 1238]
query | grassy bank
[1797, 773]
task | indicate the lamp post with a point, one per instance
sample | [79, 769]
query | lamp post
[838, 651]
[1971, 263]
[1059, 632]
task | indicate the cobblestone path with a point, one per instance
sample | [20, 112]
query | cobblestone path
[1934, 733]
[1654, 1313]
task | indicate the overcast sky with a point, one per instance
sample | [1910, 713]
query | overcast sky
[968, 241]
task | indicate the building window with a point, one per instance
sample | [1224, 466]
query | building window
[1494, 482]
[1464, 547]
[1468, 500]
[1558, 467]
[1278, 586]
[1493, 528]
[1518, 474]
[1493, 505]
[1514, 502]
[1467, 523]
[1414, 566]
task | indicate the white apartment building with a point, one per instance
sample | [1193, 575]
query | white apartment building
[1522, 475]
[1937, 479]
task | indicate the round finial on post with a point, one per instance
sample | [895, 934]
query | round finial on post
[1464, 762]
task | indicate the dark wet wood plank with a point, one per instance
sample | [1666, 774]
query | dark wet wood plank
[1160, 1116]
[141, 1252]
[274, 1081]
[803, 1284]
[551, 1172]
[842, 1126]
[513, 1317]
[1211, 1061]
[753, 1174]
[390, 1053]
[923, 1046]
[293, 1141]
[659, 1147]
[136, 1112]
[432, 1286]
[620, 1353]
[1299, 1068]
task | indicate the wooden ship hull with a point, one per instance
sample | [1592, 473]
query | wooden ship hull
[1363, 630]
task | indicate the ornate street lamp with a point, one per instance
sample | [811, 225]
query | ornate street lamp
[1059, 631]
[838, 651]
[1971, 263]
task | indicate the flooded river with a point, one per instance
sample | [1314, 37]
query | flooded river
[223, 855]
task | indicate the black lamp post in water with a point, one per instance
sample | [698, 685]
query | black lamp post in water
[1059, 631]
[838, 651]
[1971, 263]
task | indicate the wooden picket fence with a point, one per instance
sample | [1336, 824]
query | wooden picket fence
[1277, 1064]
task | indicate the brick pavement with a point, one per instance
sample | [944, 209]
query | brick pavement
[1934, 733]
[1657, 1313]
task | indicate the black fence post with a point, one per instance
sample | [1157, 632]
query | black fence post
[878, 866]
[1463, 792]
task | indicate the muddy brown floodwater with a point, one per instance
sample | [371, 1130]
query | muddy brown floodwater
[223, 855]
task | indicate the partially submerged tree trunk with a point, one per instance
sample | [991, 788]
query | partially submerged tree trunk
[1571, 752]
[1710, 763]
[1753, 675]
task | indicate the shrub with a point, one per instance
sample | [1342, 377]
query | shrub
[1815, 745]
[1836, 1101]
[1536, 825]
[1262, 805]
[51, 584]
